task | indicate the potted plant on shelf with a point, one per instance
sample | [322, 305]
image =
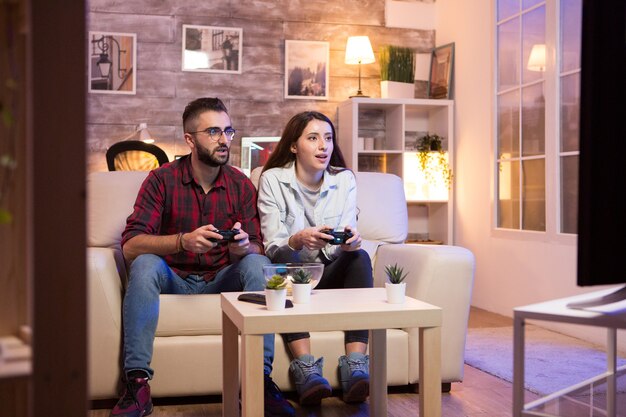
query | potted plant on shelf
[276, 292]
[433, 159]
[397, 72]
[395, 288]
[301, 288]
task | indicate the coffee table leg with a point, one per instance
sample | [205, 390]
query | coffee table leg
[230, 371]
[252, 376]
[378, 372]
[430, 371]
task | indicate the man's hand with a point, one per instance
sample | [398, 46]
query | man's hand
[241, 245]
[198, 240]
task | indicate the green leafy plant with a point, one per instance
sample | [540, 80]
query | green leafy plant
[277, 282]
[395, 273]
[301, 276]
[427, 145]
[397, 64]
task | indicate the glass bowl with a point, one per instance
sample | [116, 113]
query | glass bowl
[289, 269]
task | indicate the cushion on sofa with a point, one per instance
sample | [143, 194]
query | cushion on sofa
[189, 315]
[106, 216]
[382, 211]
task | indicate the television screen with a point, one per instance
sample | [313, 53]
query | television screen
[602, 168]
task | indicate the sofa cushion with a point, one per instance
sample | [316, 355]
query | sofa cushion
[110, 200]
[189, 315]
[382, 211]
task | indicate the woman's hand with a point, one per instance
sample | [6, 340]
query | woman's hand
[354, 243]
[311, 238]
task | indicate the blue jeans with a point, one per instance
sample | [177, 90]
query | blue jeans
[150, 276]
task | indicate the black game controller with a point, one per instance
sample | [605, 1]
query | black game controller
[339, 238]
[227, 235]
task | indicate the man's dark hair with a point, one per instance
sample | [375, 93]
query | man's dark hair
[199, 106]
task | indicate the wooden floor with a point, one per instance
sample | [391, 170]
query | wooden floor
[479, 395]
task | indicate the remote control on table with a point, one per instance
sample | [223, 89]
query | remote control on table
[259, 299]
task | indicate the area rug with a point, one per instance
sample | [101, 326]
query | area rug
[553, 361]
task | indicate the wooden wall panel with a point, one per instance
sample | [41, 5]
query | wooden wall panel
[256, 97]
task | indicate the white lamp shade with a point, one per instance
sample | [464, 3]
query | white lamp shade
[144, 134]
[359, 50]
[537, 59]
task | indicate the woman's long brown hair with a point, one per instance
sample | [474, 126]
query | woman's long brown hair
[282, 155]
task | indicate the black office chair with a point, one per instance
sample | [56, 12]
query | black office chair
[135, 155]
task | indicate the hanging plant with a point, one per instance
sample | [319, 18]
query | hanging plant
[429, 147]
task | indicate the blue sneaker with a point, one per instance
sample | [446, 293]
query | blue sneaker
[354, 376]
[310, 384]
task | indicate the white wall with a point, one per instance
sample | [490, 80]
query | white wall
[512, 269]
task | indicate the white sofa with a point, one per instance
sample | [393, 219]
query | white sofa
[187, 348]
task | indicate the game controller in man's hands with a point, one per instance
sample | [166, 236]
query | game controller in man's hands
[227, 235]
[339, 237]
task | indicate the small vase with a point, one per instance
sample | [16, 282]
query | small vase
[275, 299]
[395, 292]
[301, 293]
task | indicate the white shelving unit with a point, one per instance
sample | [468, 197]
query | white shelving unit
[378, 135]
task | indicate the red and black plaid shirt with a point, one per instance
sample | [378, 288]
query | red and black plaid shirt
[170, 201]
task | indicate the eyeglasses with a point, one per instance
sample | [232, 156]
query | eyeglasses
[215, 133]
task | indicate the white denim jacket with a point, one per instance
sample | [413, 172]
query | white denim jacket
[282, 212]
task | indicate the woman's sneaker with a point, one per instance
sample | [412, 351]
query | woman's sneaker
[310, 384]
[354, 375]
[136, 400]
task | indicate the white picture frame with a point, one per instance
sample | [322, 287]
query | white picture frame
[306, 69]
[116, 52]
[212, 49]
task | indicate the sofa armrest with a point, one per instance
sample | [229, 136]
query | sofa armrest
[441, 275]
[104, 266]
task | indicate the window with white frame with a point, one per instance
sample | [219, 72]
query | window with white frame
[533, 139]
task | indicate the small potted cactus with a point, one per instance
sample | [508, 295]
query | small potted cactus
[396, 288]
[276, 292]
[301, 288]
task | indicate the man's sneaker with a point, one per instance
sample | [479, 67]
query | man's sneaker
[135, 401]
[275, 404]
[354, 376]
[310, 384]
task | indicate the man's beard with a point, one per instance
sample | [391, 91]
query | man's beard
[209, 158]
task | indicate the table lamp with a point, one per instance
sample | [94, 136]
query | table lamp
[359, 51]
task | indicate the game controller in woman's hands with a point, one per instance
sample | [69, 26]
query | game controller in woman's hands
[339, 237]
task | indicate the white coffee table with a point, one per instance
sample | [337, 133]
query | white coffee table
[343, 309]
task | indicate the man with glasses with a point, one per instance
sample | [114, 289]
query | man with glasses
[172, 243]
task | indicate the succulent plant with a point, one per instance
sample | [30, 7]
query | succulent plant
[395, 274]
[301, 276]
[277, 282]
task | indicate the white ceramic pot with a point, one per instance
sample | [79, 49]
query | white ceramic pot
[275, 299]
[395, 292]
[394, 89]
[301, 293]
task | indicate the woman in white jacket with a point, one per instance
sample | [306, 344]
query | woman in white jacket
[305, 189]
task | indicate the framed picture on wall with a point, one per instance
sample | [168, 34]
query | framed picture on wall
[212, 49]
[306, 69]
[112, 62]
[441, 70]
